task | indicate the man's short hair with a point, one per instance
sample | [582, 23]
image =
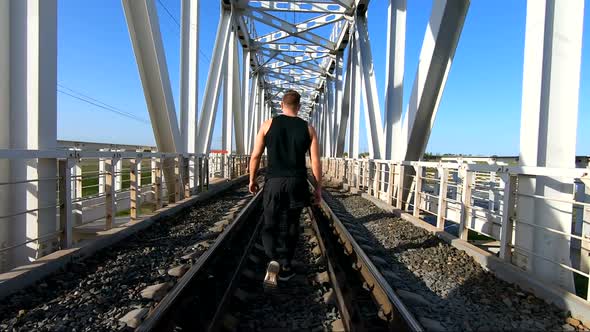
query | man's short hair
[291, 99]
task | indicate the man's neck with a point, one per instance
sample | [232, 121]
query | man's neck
[289, 112]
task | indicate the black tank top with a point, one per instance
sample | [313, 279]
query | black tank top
[287, 141]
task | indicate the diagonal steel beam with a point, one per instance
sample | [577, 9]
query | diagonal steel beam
[283, 25]
[300, 28]
[289, 47]
[371, 100]
[211, 93]
[436, 56]
[297, 6]
[144, 30]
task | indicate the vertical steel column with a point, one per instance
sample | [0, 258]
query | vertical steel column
[338, 110]
[329, 109]
[5, 191]
[355, 96]
[345, 106]
[189, 79]
[394, 80]
[228, 103]
[28, 120]
[246, 109]
[251, 118]
[551, 83]
[236, 106]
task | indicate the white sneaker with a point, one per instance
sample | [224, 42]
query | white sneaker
[272, 272]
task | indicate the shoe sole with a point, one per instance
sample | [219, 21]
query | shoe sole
[271, 277]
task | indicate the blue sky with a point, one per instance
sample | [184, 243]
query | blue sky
[479, 112]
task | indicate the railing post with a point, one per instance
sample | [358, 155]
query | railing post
[465, 203]
[101, 175]
[400, 187]
[390, 183]
[442, 197]
[207, 173]
[110, 203]
[374, 181]
[200, 171]
[78, 193]
[347, 172]
[334, 163]
[118, 173]
[507, 213]
[232, 174]
[357, 175]
[494, 198]
[367, 175]
[65, 201]
[176, 191]
[455, 189]
[417, 191]
[134, 194]
[186, 176]
[157, 171]
[139, 174]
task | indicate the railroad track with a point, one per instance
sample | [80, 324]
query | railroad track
[117, 286]
[223, 289]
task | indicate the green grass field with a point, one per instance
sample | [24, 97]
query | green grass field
[90, 176]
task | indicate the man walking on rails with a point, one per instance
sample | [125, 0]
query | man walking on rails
[287, 139]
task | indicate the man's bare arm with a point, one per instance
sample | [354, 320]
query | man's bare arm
[316, 164]
[257, 155]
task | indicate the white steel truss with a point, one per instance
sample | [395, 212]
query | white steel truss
[323, 52]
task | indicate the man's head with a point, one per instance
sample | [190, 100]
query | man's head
[291, 101]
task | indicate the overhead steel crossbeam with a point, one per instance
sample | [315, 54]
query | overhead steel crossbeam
[298, 53]
[298, 6]
[290, 29]
[286, 47]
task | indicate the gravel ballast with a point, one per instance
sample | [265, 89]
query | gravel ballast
[94, 294]
[443, 286]
[304, 303]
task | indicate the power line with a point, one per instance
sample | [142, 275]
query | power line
[178, 25]
[169, 13]
[99, 104]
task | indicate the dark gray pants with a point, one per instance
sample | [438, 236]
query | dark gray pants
[284, 200]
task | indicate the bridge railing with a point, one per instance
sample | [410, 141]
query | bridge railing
[485, 204]
[59, 195]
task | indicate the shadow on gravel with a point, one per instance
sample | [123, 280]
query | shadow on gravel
[415, 292]
[104, 286]
[443, 286]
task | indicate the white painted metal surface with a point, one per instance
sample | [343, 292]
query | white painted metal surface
[394, 80]
[436, 58]
[189, 79]
[28, 37]
[551, 83]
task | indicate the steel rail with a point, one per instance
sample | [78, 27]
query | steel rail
[392, 307]
[163, 313]
[343, 299]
